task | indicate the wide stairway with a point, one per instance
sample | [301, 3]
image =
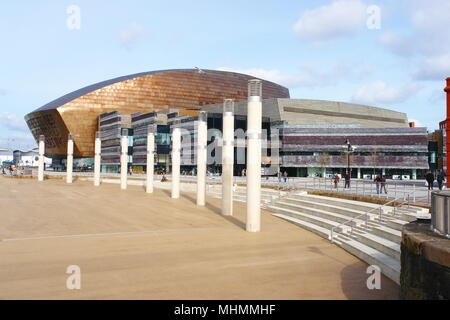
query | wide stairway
[268, 195]
[373, 239]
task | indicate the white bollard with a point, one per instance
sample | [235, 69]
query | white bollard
[202, 140]
[150, 158]
[41, 158]
[176, 144]
[69, 162]
[97, 159]
[254, 129]
[227, 157]
[124, 160]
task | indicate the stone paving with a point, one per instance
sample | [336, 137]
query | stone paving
[132, 245]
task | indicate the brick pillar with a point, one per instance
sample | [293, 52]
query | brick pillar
[447, 129]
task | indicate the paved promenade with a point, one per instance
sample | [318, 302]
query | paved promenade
[130, 245]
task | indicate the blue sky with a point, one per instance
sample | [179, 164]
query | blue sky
[319, 49]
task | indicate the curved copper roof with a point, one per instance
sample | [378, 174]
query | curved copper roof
[81, 92]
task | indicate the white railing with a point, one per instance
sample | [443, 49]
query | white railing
[392, 190]
[393, 203]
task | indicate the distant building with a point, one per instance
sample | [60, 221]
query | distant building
[6, 155]
[29, 158]
[155, 91]
[306, 136]
[301, 137]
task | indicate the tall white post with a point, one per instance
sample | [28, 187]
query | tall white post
[150, 158]
[202, 139]
[41, 158]
[359, 173]
[254, 129]
[124, 160]
[97, 159]
[69, 162]
[227, 157]
[176, 146]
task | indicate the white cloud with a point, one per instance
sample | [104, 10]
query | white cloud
[437, 96]
[130, 36]
[339, 19]
[17, 141]
[11, 122]
[427, 40]
[307, 75]
[397, 42]
[379, 93]
[434, 68]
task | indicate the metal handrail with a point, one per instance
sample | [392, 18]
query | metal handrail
[366, 214]
[354, 191]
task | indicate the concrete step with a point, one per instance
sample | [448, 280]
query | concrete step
[396, 224]
[387, 233]
[414, 209]
[389, 266]
[218, 193]
[350, 204]
[408, 216]
[330, 215]
[381, 244]
[350, 213]
[319, 221]
[323, 232]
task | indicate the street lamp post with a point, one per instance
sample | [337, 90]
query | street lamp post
[349, 148]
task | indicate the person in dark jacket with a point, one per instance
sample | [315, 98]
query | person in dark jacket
[383, 184]
[430, 179]
[440, 179]
[347, 179]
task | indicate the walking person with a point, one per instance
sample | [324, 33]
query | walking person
[383, 184]
[336, 180]
[430, 180]
[440, 180]
[279, 176]
[285, 174]
[377, 181]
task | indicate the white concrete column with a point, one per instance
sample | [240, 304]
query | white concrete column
[150, 158]
[176, 149]
[124, 160]
[97, 159]
[227, 157]
[359, 173]
[414, 174]
[383, 172]
[254, 129]
[41, 158]
[69, 162]
[324, 172]
[202, 140]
